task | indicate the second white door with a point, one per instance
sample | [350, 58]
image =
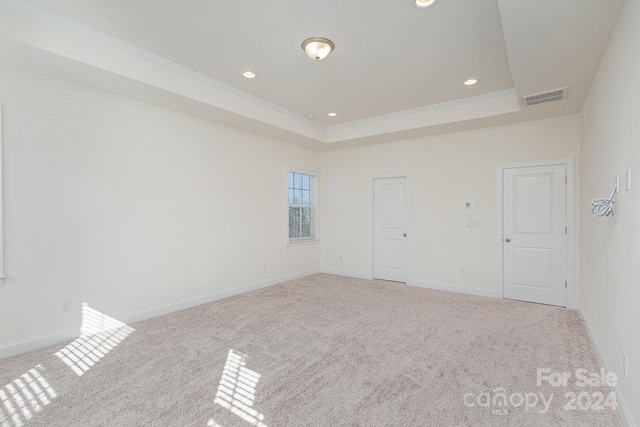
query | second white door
[390, 229]
[535, 234]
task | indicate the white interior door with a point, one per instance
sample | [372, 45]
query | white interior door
[390, 227]
[534, 234]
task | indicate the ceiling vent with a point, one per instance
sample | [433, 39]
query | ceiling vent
[540, 98]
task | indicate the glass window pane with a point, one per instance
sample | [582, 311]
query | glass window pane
[305, 222]
[300, 194]
[292, 222]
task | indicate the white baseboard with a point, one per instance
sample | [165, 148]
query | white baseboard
[40, 341]
[192, 302]
[455, 288]
[355, 275]
[623, 408]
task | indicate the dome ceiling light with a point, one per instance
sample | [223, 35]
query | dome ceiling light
[423, 4]
[317, 48]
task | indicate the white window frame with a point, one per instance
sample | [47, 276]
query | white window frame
[2, 276]
[295, 241]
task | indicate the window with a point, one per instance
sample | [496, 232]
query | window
[302, 205]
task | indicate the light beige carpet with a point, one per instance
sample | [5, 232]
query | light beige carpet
[320, 351]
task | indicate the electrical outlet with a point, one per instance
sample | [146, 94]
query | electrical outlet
[65, 306]
[624, 364]
[462, 271]
[264, 267]
[340, 258]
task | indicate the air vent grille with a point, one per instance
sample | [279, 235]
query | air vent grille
[549, 96]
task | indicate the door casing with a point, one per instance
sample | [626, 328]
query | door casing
[372, 265]
[568, 162]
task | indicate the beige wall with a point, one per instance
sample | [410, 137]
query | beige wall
[129, 207]
[444, 172]
[610, 247]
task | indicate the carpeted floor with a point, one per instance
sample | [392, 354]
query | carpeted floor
[319, 351]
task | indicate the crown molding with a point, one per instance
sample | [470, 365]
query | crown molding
[50, 33]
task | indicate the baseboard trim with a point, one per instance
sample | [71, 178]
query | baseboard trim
[40, 341]
[623, 408]
[192, 302]
[455, 288]
[355, 275]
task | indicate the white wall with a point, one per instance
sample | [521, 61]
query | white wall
[610, 247]
[444, 172]
[129, 207]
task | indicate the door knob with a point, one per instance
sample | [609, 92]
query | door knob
[404, 234]
[507, 240]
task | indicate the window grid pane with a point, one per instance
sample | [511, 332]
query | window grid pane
[301, 209]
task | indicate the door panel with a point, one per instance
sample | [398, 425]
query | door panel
[533, 203]
[534, 234]
[390, 218]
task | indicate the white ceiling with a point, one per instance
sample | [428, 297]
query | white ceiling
[397, 71]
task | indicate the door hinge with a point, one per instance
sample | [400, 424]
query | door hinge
[565, 284]
[566, 179]
[565, 230]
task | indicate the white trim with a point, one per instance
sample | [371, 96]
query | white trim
[298, 169]
[203, 89]
[474, 107]
[2, 276]
[353, 274]
[477, 99]
[40, 341]
[571, 297]
[372, 255]
[623, 408]
[301, 241]
[490, 293]
[80, 30]
[192, 302]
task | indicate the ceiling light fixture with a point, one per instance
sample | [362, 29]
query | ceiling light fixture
[332, 114]
[423, 4]
[317, 48]
[249, 74]
[470, 82]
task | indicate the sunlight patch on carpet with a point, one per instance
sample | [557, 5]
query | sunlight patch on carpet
[25, 396]
[99, 334]
[237, 388]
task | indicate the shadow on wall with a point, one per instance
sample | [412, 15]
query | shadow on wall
[99, 334]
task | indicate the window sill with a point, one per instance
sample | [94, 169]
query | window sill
[302, 242]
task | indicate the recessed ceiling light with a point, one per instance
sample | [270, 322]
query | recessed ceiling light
[332, 114]
[470, 82]
[249, 74]
[423, 4]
